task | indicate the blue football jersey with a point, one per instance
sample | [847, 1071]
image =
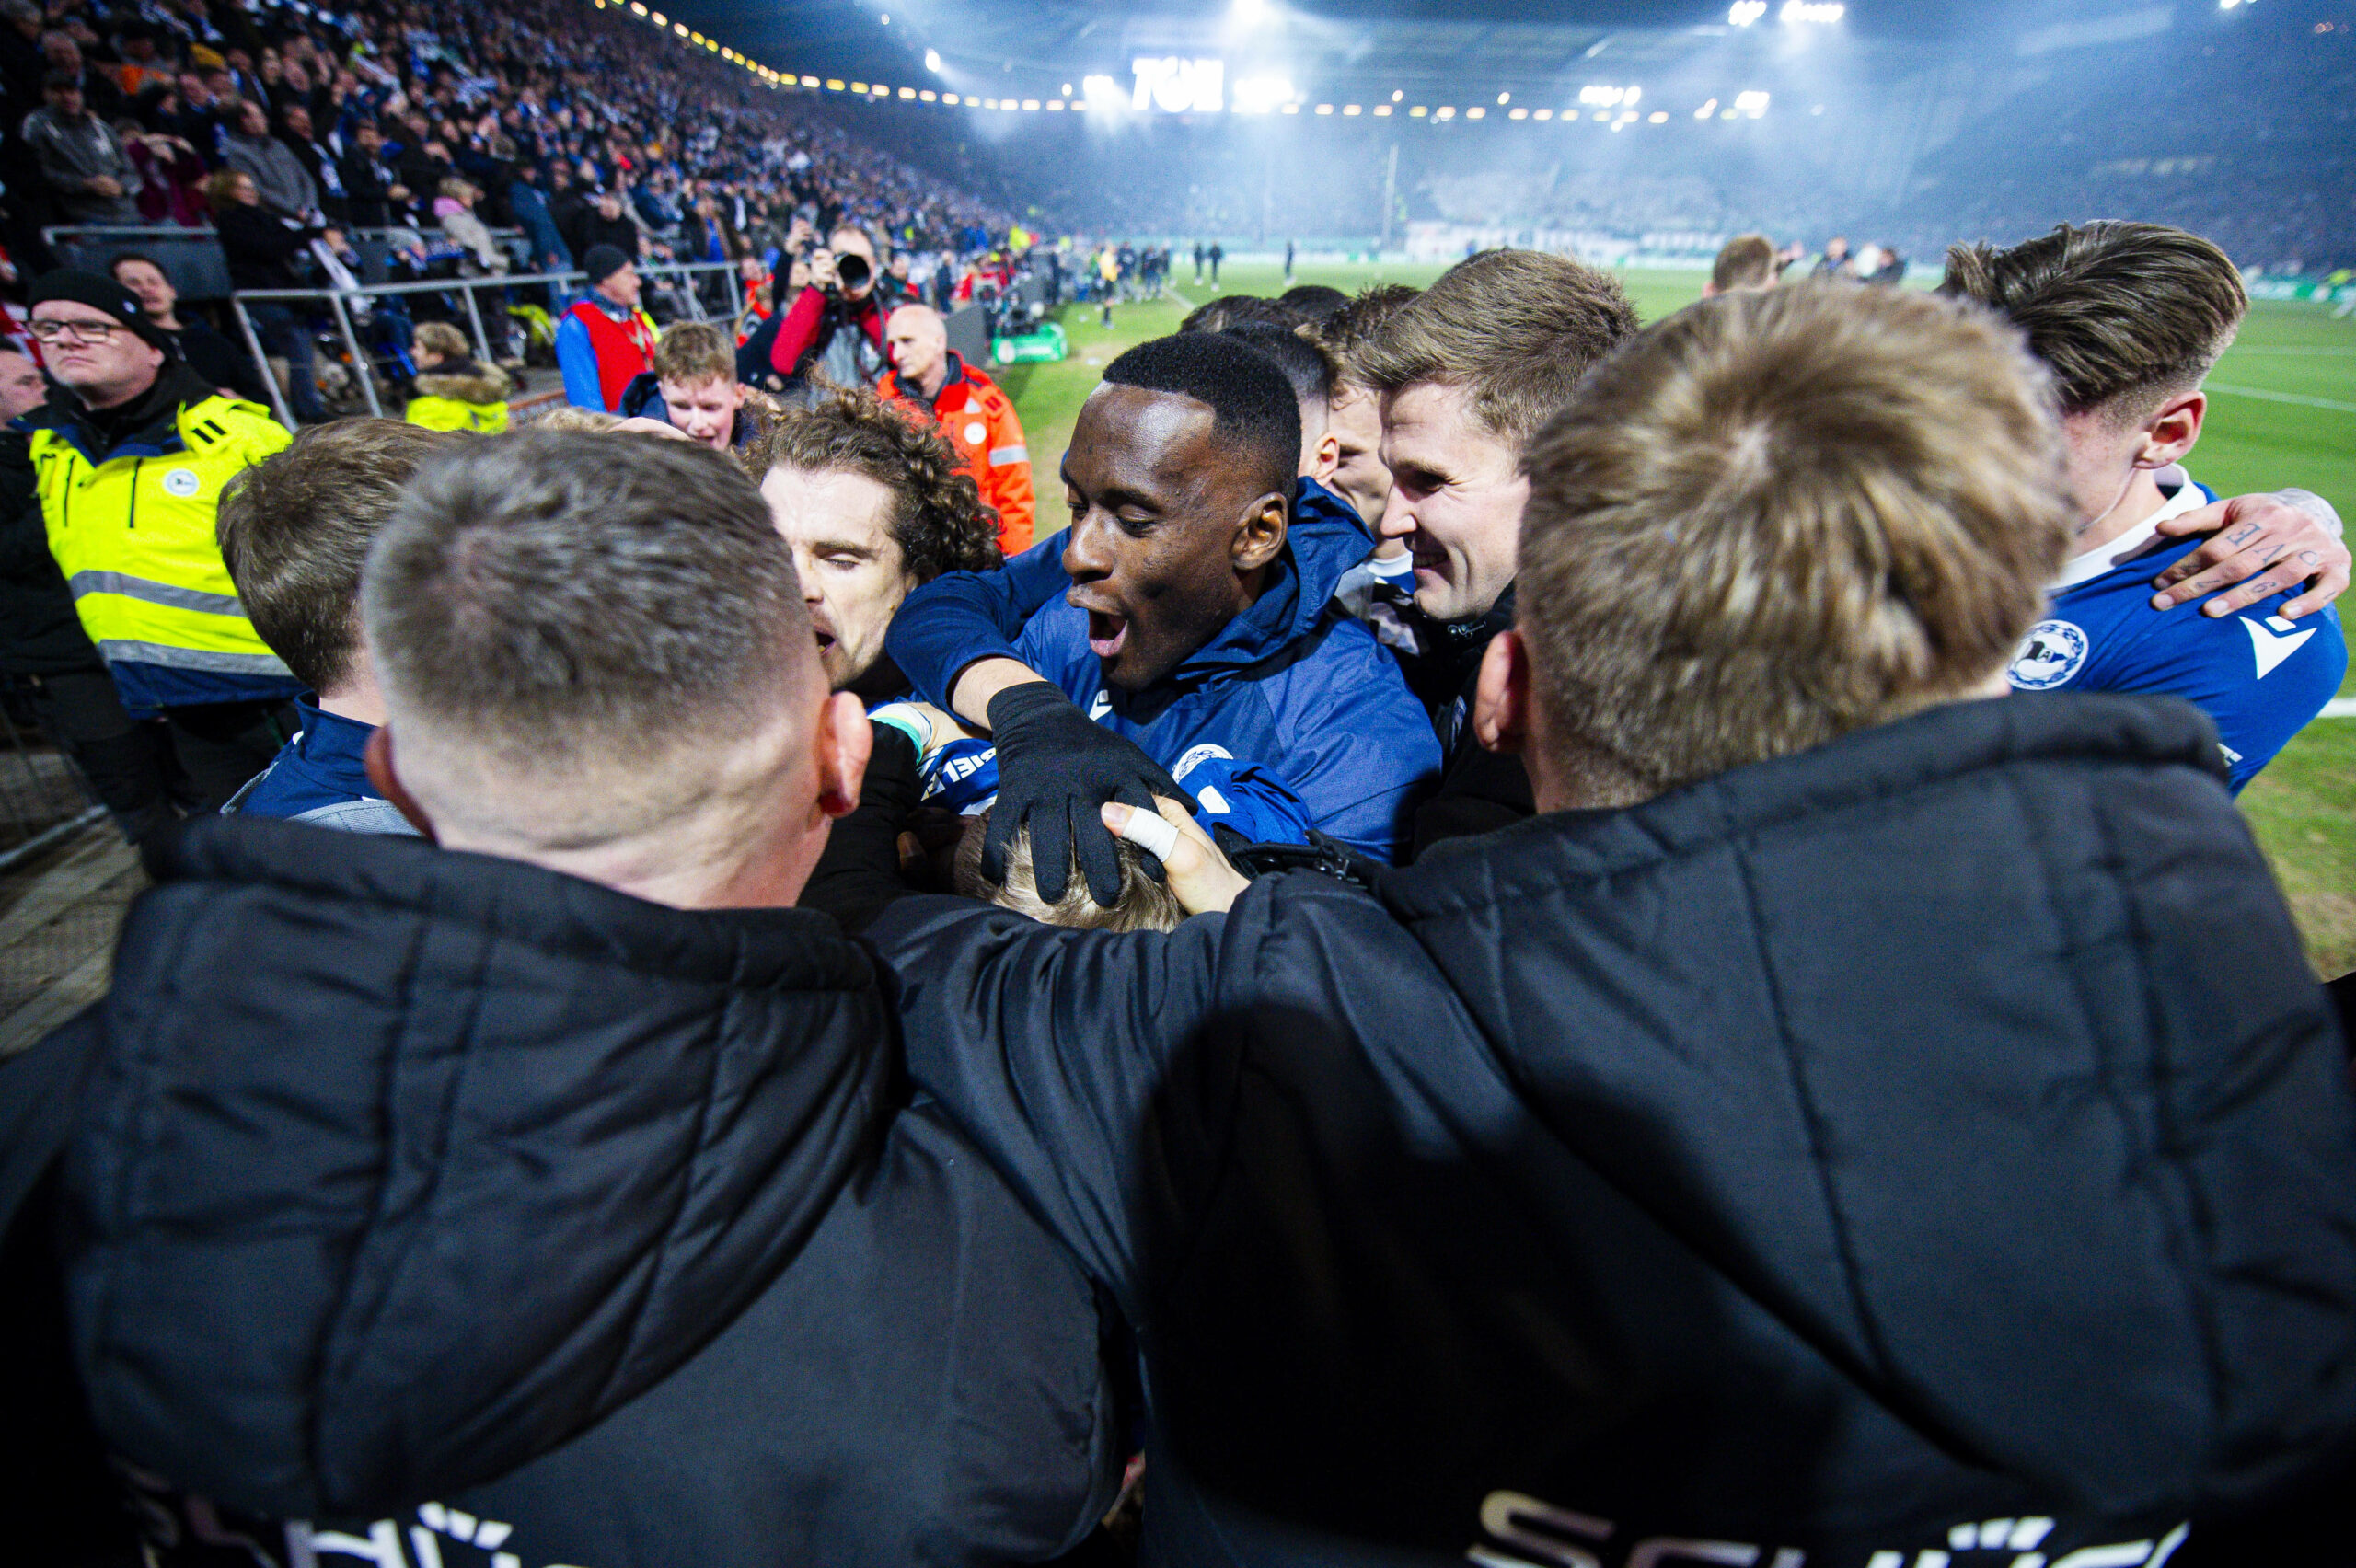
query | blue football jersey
[2260, 677]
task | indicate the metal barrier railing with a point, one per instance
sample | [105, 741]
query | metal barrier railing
[337, 301]
[43, 797]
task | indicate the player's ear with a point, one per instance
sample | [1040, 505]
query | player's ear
[1260, 533]
[2173, 429]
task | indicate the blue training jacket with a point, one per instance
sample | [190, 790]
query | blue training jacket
[1310, 697]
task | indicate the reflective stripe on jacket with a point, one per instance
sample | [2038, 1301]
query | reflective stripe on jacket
[134, 536]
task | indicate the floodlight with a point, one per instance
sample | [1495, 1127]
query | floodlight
[1396, 94]
[929, 96]
[932, 60]
[1251, 13]
[1746, 12]
[1796, 11]
[1382, 109]
[1349, 109]
[1505, 98]
[1706, 111]
[1544, 114]
[1324, 109]
[1518, 114]
[1658, 117]
[1751, 104]
[1103, 93]
[907, 92]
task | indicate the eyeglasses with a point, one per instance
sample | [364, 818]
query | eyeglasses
[81, 331]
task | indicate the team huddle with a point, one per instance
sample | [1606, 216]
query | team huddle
[1531, 940]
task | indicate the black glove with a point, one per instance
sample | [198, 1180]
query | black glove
[1056, 766]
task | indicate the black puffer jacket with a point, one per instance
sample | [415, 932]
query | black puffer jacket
[405, 1176]
[1932, 1145]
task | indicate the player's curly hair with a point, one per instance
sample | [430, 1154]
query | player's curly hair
[939, 520]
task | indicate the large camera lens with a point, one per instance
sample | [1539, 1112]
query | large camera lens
[853, 270]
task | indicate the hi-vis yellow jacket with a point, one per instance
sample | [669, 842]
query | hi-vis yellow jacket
[132, 530]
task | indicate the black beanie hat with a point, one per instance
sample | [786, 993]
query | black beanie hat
[602, 262]
[100, 292]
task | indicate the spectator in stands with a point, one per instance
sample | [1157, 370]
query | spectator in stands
[89, 176]
[318, 164]
[1746, 262]
[294, 532]
[693, 388]
[370, 184]
[862, 1349]
[132, 461]
[23, 67]
[170, 174]
[99, 93]
[455, 390]
[529, 205]
[605, 341]
[454, 208]
[874, 505]
[228, 366]
[260, 248]
[1835, 262]
[1184, 607]
[603, 222]
[286, 189]
[42, 645]
[979, 420]
[2129, 317]
[831, 336]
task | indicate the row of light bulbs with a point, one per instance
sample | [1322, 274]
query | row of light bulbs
[1606, 106]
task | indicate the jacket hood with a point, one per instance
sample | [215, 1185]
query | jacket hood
[464, 380]
[1991, 1007]
[1324, 540]
[343, 1095]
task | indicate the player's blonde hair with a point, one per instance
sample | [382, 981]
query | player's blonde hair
[1777, 517]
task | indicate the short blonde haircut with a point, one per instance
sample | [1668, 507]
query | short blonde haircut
[566, 417]
[1145, 903]
[1778, 517]
[693, 352]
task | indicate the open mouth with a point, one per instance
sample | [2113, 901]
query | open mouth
[1107, 633]
[825, 637]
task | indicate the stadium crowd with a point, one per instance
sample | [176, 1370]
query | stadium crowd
[1526, 940]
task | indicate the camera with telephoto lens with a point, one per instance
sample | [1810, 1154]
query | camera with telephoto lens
[851, 271]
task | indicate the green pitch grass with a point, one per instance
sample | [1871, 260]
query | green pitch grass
[2283, 413]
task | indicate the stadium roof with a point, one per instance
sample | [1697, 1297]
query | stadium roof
[1366, 48]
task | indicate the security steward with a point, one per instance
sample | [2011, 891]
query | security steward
[129, 460]
[979, 418]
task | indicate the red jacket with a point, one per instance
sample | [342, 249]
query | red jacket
[979, 420]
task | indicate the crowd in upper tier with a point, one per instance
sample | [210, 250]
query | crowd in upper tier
[119, 113]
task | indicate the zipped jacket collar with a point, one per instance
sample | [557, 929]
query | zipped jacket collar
[148, 426]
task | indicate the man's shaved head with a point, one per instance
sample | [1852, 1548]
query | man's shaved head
[583, 640]
[917, 340]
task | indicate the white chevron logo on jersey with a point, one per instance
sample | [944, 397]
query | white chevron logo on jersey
[2274, 640]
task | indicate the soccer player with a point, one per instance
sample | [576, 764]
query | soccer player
[2128, 318]
[1183, 608]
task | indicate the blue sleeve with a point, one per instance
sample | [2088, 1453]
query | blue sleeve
[961, 616]
[2257, 678]
[578, 360]
[2257, 706]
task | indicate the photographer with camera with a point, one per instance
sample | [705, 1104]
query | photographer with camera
[832, 335]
